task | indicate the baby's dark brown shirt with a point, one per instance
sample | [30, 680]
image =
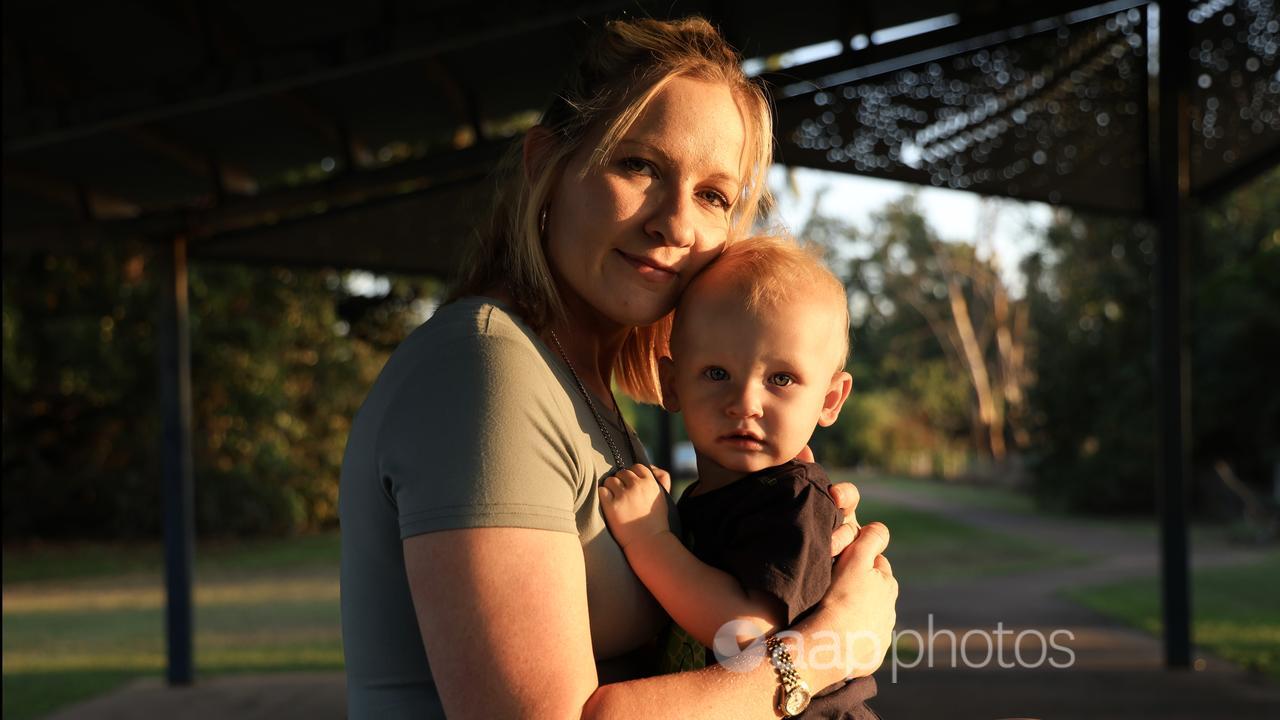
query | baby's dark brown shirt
[771, 530]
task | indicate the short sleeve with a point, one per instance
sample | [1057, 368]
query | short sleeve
[477, 436]
[783, 543]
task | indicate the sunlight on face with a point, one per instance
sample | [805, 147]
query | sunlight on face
[625, 237]
[752, 385]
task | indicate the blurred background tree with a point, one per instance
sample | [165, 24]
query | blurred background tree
[958, 375]
[1236, 345]
[1090, 292]
[938, 348]
[281, 360]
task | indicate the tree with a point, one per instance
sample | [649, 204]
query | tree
[938, 345]
[1091, 295]
[281, 360]
[963, 301]
[1235, 331]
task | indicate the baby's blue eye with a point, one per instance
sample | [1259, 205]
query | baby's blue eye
[782, 379]
[715, 373]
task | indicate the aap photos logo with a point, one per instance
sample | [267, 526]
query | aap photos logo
[739, 647]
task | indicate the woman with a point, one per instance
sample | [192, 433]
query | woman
[471, 529]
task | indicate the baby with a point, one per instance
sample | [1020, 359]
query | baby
[758, 350]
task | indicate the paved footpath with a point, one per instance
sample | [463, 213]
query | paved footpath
[1114, 672]
[278, 696]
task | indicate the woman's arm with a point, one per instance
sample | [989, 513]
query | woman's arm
[503, 617]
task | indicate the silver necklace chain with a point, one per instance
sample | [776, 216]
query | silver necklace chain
[608, 437]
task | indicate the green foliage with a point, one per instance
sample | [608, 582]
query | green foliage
[1236, 332]
[79, 395]
[277, 387]
[887, 429]
[1091, 293]
[912, 409]
[280, 360]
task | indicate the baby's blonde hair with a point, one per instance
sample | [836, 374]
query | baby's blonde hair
[768, 271]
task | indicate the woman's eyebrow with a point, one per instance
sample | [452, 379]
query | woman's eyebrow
[724, 175]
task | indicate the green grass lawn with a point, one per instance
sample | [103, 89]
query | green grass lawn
[1235, 612]
[24, 563]
[985, 496]
[82, 620]
[1011, 500]
[926, 547]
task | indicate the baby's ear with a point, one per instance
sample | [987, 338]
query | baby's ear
[667, 377]
[837, 393]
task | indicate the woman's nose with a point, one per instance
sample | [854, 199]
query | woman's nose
[671, 222]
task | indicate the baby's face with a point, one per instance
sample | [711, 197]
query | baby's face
[752, 386]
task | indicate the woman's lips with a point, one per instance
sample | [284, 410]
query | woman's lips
[650, 270]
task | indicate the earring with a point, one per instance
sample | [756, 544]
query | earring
[542, 221]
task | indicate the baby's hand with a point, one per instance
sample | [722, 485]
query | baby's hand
[634, 505]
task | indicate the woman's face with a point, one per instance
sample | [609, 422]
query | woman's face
[626, 238]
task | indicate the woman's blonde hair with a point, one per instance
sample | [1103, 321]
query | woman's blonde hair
[623, 69]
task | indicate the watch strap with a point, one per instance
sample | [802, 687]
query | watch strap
[788, 678]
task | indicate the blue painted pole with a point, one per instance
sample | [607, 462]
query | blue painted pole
[174, 344]
[1172, 191]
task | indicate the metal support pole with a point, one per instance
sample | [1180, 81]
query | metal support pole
[174, 344]
[1171, 187]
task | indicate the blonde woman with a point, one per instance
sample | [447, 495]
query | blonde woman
[478, 577]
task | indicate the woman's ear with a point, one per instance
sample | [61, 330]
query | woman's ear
[837, 393]
[539, 143]
[667, 377]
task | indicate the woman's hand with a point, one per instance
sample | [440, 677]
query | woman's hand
[859, 604]
[846, 497]
[634, 505]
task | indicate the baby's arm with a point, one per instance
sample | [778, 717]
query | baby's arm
[700, 598]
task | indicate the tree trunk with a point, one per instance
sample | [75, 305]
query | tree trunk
[988, 413]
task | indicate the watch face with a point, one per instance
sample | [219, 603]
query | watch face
[797, 700]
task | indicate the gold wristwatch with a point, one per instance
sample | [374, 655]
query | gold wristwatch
[793, 693]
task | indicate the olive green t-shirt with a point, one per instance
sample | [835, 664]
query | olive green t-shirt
[474, 422]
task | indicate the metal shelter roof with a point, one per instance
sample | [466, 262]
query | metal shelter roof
[361, 134]
[1054, 109]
